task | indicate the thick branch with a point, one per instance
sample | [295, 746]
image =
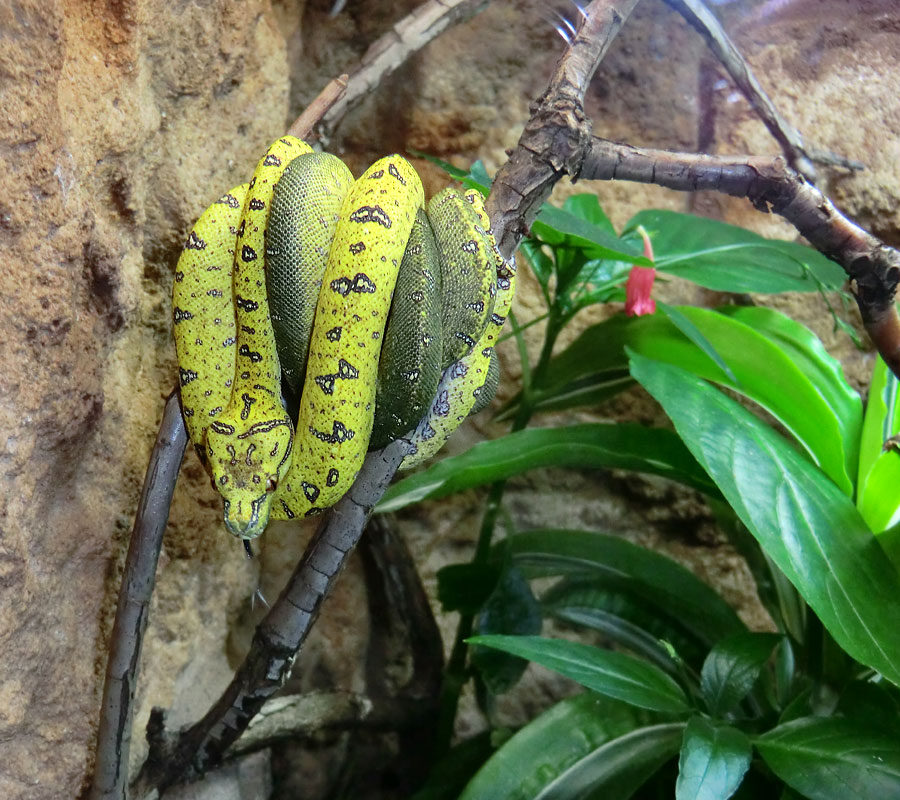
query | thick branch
[114, 732]
[558, 134]
[771, 185]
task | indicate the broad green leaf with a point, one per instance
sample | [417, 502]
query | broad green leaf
[809, 355]
[829, 758]
[713, 761]
[511, 609]
[620, 767]
[650, 577]
[627, 619]
[589, 446]
[765, 373]
[587, 207]
[731, 259]
[878, 491]
[684, 324]
[875, 705]
[597, 239]
[550, 745]
[807, 526]
[615, 675]
[732, 667]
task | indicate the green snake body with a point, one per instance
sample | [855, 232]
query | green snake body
[303, 235]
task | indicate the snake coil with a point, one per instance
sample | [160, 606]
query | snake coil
[317, 317]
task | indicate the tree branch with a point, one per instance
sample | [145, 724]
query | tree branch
[873, 267]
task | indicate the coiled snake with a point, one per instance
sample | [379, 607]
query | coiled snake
[292, 276]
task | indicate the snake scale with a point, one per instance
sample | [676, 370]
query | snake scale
[317, 317]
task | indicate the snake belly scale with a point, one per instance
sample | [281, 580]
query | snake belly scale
[303, 235]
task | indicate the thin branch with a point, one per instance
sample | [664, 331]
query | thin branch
[394, 48]
[873, 267]
[116, 711]
[798, 154]
[327, 98]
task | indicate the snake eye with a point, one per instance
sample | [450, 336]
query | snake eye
[271, 485]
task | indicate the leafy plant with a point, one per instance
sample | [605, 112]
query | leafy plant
[808, 495]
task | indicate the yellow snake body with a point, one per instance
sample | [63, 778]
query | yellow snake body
[256, 257]
[338, 399]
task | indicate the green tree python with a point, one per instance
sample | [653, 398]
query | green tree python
[317, 317]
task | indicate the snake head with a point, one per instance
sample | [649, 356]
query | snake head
[246, 468]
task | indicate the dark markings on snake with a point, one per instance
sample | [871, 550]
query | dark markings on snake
[414, 250]
[245, 305]
[346, 370]
[248, 401]
[194, 242]
[332, 478]
[377, 174]
[245, 376]
[214, 293]
[477, 391]
[207, 393]
[426, 339]
[229, 200]
[314, 512]
[180, 315]
[264, 426]
[458, 370]
[228, 342]
[497, 319]
[417, 296]
[179, 277]
[341, 286]
[412, 376]
[339, 433]
[427, 433]
[274, 450]
[272, 161]
[249, 459]
[248, 329]
[442, 404]
[223, 480]
[252, 183]
[362, 284]
[198, 341]
[186, 376]
[334, 335]
[248, 254]
[214, 411]
[224, 429]
[487, 352]
[479, 306]
[255, 357]
[256, 204]
[240, 230]
[310, 490]
[470, 342]
[375, 336]
[326, 383]
[395, 173]
[255, 477]
[503, 283]
[357, 248]
[287, 511]
[371, 214]
[470, 247]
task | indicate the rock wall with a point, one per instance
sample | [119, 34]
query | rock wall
[122, 120]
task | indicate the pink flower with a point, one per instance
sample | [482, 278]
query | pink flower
[640, 283]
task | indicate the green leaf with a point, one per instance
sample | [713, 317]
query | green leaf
[807, 526]
[466, 587]
[598, 240]
[732, 667]
[809, 355]
[828, 758]
[764, 372]
[626, 619]
[615, 675]
[587, 207]
[731, 259]
[675, 592]
[589, 446]
[693, 333]
[552, 744]
[620, 767]
[713, 761]
[511, 609]
[878, 493]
